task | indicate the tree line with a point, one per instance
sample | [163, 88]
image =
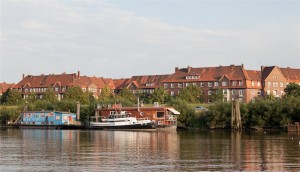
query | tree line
[261, 112]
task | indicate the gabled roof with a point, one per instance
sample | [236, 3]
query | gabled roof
[265, 71]
[141, 81]
[47, 80]
[291, 75]
[208, 73]
[4, 86]
[64, 80]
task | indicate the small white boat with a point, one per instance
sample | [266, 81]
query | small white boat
[123, 120]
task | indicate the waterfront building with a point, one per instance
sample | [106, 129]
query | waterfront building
[60, 83]
[140, 84]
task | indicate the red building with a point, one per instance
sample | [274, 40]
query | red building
[59, 83]
[4, 86]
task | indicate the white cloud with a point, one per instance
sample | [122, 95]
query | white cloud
[100, 39]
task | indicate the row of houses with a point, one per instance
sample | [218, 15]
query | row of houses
[235, 82]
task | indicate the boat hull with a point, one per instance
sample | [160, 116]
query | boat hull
[149, 126]
[166, 127]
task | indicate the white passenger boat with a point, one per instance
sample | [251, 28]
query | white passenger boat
[122, 120]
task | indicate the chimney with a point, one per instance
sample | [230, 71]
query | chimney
[23, 75]
[262, 68]
[189, 69]
[78, 74]
[176, 69]
[242, 65]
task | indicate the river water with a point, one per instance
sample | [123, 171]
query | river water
[85, 150]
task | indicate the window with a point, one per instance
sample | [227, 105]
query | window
[216, 84]
[30, 90]
[258, 83]
[269, 84]
[234, 83]
[241, 93]
[259, 92]
[233, 91]
[253, 92]
[166, 85]
[56, 89]
[240, 83]
[209, 92]
[276, 84]
[225, 92]
[268, 92]
[172, 85]
[160, 114]
[281, 84]
[202, 84]
[194, 83]
[210, 84]
[179, 85]
[149, 84]
[172, 93]
[224, 83]
[26, 90]
[252, 83]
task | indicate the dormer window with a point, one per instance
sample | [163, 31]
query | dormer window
[149, 84]
[192, 77]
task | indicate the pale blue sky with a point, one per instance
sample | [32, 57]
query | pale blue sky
[118, 39]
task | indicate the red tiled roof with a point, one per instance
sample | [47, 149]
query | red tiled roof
[254, 75]
[208, 74]
[121, 83]
[64, 80]
[4, 86]
[291, 75]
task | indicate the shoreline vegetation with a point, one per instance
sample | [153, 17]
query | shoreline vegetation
[260, 114]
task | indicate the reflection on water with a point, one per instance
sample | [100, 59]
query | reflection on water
[83, 150]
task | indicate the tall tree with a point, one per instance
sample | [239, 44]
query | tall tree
[126, 94]
[217, 95]
[14, 98]
[50, 96]
[292, 89]
[105, 94]
[159, 95]
[191, 94]
[4, 96]
[76, 93]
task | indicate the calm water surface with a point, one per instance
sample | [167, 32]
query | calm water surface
[83, 150]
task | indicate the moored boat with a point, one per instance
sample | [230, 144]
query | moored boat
[122, 120]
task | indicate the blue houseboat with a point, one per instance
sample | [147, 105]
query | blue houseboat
[48, 119]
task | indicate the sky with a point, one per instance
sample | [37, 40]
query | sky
[122, 38]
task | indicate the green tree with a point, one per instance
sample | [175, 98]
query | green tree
[159, 95]
[126, 94]
[217, 95]
[31, 97]
[76, 94]
[292, 89]
[14, 98]
[106, 94]
[191, 94]
[50, 96]
[4, 96]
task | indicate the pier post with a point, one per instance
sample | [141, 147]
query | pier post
[78, 111]
[236, 122]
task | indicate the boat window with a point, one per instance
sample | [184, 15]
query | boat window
[159, 114]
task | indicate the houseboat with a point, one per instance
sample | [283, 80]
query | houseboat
[122, 120]
[48, 120]
[165, 118]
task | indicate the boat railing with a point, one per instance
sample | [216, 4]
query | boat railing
[141, 119]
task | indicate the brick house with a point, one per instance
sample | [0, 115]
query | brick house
[275, 79]
[234, 81]
[60, 83]
[4, 86]
[142, 84]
